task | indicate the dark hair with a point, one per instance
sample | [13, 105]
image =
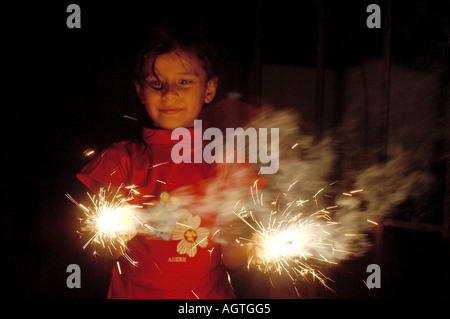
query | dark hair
[166, 40]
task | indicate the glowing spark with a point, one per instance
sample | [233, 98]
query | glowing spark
[297, 292]
[200, 242]
[290, 186]
[118, 268]
[195, 294]
[132, 189]
[111, 221]
[182, 225]
[366, 284]
[290, 241]
[318, 192]
[88, 152]
[347, 194]
[371, 221]
[215, 233]
[84, 208]
[156, 165]
[130, 117]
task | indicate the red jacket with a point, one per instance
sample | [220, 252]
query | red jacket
[180, 258]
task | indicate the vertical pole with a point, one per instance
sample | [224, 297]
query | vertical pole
[444, 113]
[385, 106]
[257, 64]
[366, 111]
[379, 237]
[445, 88]
[384, 117]
[320, 74]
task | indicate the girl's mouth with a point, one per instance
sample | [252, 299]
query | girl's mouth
[171, 110]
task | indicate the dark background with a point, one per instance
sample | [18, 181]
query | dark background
[67, 90]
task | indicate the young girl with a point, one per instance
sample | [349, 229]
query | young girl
[180, 257]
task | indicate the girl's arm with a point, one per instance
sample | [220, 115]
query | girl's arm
[234, 254]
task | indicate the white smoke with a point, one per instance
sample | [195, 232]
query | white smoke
[306, 165]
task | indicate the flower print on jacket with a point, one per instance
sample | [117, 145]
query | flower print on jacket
[165, 214]
[191, 236]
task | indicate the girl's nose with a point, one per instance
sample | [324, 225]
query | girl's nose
[169, 91]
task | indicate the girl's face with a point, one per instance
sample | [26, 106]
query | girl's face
[176, 89]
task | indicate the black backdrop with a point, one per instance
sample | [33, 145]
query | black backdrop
[67, 89]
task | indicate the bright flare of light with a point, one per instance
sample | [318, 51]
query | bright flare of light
[110, 220]
[279, 244]
[290, 238]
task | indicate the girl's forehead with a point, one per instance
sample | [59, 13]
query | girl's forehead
[177, 62]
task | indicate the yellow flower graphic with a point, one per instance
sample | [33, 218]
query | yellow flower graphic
[190, 236]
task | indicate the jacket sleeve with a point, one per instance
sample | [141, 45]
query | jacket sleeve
[238, 176]
[111, 167]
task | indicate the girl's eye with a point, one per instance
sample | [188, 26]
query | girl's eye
[156, 85]
[184, 82]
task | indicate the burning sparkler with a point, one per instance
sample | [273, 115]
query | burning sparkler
[111, 221]
[295, 238]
